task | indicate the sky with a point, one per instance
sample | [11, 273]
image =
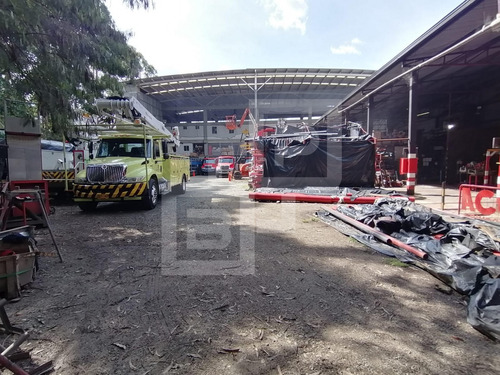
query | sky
[191, 36]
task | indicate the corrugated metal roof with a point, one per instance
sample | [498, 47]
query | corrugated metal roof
[230, 91]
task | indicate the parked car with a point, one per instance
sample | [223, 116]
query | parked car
[208, 165]
[225, 165]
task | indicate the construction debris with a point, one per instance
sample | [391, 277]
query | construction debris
[461, 254]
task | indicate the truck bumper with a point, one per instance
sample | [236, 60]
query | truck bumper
[109, 192]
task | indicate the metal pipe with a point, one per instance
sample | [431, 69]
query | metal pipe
[377, 234]
[391, 139]
[443, 194]
[66, 183]
[4, 361]
[16, 344]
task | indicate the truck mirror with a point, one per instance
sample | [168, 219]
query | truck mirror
[91, 156]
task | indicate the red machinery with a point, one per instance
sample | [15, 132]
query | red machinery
[385, 172]
[231, 120]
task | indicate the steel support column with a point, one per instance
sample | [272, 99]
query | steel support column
[369, 115]
[411, 174]
[205, 132]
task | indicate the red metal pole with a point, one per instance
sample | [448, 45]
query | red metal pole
[498, 188]
[4, 361]
[459, 198]
[377, 234]
[486, 178]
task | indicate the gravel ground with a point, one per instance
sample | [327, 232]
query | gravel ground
[211, 283]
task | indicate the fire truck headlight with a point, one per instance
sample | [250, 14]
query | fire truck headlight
[135, 179]
[80, 179]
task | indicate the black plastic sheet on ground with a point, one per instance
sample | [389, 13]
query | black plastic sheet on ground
[460, 254]
[318, 161]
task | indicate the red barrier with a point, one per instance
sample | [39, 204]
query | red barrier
[308, 198]
[466, 202]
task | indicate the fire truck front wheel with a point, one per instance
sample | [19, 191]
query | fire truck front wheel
[151, 198]
[87, 206]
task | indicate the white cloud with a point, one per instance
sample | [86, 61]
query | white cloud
[347, 48]
[287, 14]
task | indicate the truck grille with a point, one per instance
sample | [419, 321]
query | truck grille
[224, 167]
[105, 173]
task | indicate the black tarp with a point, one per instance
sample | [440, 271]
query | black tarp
[296, 162]
[56, 145]
[460, 254]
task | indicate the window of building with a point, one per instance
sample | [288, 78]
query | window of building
[214, 129]
[184, 127]
[231, 131]
[186, 148]
[197, 127]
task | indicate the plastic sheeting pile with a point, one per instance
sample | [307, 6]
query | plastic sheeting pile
[464, 255]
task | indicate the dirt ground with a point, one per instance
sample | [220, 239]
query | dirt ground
[211, 283]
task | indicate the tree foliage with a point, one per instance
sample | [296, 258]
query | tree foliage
[62, 54]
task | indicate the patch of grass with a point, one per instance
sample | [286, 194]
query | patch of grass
[310, 220]
[396, 263]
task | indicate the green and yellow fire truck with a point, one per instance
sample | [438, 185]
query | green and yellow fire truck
[135, 159]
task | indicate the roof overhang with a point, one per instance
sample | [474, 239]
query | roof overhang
[461, 51]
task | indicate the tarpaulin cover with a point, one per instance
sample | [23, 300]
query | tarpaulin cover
[461, 254]
[56, 145]
[318, 161]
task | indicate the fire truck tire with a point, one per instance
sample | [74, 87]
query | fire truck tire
[150, 200]
[87, 206]
[181, 189]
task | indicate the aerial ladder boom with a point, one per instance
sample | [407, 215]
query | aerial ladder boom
[231, 120]
[245, 114]
[131, 109]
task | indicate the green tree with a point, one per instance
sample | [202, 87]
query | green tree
[62, 54]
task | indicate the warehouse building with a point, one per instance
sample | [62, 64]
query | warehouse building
[436, 103]
[199, 103]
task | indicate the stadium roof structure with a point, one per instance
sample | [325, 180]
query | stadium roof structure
[281, 92]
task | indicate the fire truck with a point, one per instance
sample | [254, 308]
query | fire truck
[136, 158]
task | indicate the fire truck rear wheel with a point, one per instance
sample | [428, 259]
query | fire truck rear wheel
[87, 206]
[181, 189]
[151, 198]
